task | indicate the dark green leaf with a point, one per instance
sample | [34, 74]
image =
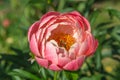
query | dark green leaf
[94, 77]
[116, 33]
[98, 58]
[114, 12]
[93, 17]
[23, 73]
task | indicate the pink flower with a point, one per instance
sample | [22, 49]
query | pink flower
[61, 41]
[6, 23]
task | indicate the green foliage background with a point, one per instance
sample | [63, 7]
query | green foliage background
[104, 17]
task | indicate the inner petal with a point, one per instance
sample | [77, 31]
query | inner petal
[64, 40]
[65, 36]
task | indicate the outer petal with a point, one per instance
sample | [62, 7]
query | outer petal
[39, 34]
[34, 46]
[75, 64]
[62, 61]
[86, 24]
[42, 48]
[83, 48]
[33, 29]
[50, 53]
[42, 62]
[83, 22]
[92, 44]
[42, 33]
[95, 44]
[76, 13]
[47, 17]
[54, 67]
[88, 46]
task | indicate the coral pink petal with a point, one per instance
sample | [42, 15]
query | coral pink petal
[86, 24]
[33, 29]
[80, 60]
[38, 35]
[63, 61]
[74, 51]
[54, 67]
[50, 53]
[41, 48]
[92, 43]
[42, 62]
[34, 46]
[49, 14]
[85, 21]
[83, 48]
[96, 44]
[76, 13]
[47, 17]
[42, 32]
[52, 27]
[75, 64]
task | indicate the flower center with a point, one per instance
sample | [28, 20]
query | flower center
[63, 40]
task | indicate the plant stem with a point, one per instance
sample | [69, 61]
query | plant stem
[55, 75]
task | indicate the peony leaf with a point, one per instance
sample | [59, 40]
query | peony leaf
[23, 73]
[116, 33]
[61, 4]
[98, 58]
[93, 17]
[94, 77]
[114, 12]
[81, 6]
[16, 78]
[74, 76]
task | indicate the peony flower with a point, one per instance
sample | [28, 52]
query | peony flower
[61, 41]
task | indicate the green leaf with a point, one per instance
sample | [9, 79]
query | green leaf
[68, 75]
[64, 77]
[98, 58]
[50, 72]
[94, 77]
[116, 33]
[89, 4]
[43, 73]
[85, 78]
[114, 12]
[67, 9]
[81, 6]
[35, 1]
[103, 25]
[23, 73]
[61, 5]
[93, 17]
[74, 76]
[16, 78]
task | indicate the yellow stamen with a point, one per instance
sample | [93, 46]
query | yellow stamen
[63, 40]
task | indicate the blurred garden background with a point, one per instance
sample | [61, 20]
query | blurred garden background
[16, 16]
